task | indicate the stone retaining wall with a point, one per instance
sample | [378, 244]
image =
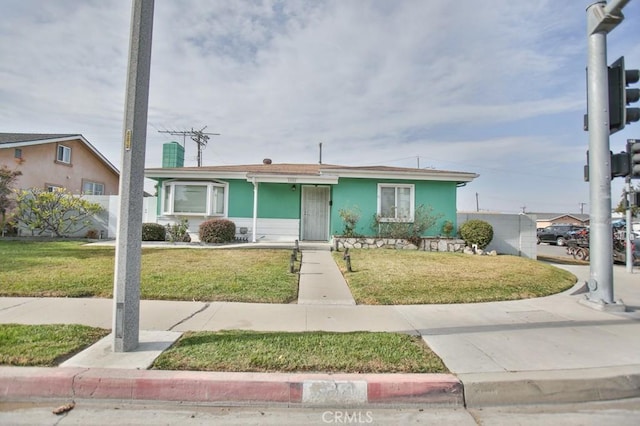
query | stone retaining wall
[427, 244]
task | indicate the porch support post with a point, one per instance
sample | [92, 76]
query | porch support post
[255, 210]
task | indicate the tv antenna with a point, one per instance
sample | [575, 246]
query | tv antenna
[198, 136]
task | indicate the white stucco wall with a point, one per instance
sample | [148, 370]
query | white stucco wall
[513, 234]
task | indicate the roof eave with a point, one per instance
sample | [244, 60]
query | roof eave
[418, 175]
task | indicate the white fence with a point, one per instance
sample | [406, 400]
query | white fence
[106, 222]
[513, 234]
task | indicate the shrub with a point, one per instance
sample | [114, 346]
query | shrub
[423, 220]
[477, 232]
[153, 232]
[179, 232]
[92, 234]
[350, 219]
[447, 228]
[217, 231]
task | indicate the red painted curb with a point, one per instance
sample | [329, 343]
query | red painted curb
[194, 386]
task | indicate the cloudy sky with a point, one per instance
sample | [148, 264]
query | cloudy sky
[496, 88]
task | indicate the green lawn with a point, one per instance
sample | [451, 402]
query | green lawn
[359, 352]
[388, 277]
[44, 345]
[71, 269]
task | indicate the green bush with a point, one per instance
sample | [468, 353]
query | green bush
[477, 232]
[217, 231]
[153, 232]
[179, 232]
[423, 220]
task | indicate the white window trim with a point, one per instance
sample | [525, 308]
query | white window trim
[412, 201]
[65, 150]
[168, 210]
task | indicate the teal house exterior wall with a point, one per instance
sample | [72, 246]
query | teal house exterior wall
[275, 200]
[361, 196]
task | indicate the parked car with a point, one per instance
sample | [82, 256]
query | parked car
[558, 234]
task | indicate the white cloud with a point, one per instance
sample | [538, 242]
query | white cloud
[483, 85]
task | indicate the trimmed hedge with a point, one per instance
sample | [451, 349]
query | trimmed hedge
[153, 232]
[477, 232]
[217, 231]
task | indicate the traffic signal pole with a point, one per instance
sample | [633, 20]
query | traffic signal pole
[599, 22]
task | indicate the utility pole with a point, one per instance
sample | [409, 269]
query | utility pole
[582, 207]
[601, 19]
[126, 294]
[477, 203]
[198, 136]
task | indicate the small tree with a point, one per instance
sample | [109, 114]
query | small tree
[350, 217]
[622, 208]
[7, 179]
[58, 212]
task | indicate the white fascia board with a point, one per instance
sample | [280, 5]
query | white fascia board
[300, 179]
[168, 173]
[376, 174]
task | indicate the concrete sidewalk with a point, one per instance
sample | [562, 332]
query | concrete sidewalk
[550, 349]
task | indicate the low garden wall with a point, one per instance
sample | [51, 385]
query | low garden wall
[426, 244]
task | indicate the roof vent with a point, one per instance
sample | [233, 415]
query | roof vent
[266, 161]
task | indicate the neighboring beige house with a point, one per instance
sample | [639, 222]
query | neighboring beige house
[51, 161]
[546, 219]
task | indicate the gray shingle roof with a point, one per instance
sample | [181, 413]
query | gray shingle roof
[29, 137]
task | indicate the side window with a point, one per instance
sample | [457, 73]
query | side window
[395, 202]
[63, 154]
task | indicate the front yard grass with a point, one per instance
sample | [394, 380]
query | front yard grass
[358, 352]
[71, 269]
[401, 277]
[44, 345]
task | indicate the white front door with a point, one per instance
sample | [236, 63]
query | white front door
[315, 213]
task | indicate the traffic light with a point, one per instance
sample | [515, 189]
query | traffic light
[620, 96]
[633, 146]
[620, 164]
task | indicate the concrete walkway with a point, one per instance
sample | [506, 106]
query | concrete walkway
[550, 349]
[321, 282]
